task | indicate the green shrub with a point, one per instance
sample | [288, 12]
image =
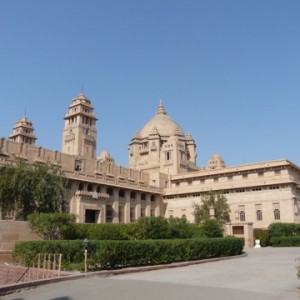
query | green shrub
[212, 228]
[179, 228]
[51, 226]
[118, 254]
[262, 235]
[291, 241]
[153, 228]
[284, 230]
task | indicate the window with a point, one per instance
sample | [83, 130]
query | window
[242, 216]
[143, 196]
[260, 173]
[230, 177]
[259, 215]
[245, 176]
[109, 191]
[258, 212]
[276, 214]
[276, 211]
[168, 155]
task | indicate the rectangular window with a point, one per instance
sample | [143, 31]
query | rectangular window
[168, 155]
[276, 210]
[230, 177]
[242, 215]
[258, 210]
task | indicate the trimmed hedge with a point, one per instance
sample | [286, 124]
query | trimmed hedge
[291, 241]
[119, 254]
[144, 228]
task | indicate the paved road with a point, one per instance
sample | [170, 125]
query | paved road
[266, 273]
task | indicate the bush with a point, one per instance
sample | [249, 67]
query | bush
[151, 228]
[284, 230]
[118, 254]
[144, 228]
[51, 226]
[98, 231]
[212, 228]
[291, 241]
[263, 236]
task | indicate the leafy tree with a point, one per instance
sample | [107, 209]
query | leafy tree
[51, 226]
[31, 188]
[212, 200]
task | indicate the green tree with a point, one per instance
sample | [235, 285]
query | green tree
[212, 200]
[51, 226]
[31, 188]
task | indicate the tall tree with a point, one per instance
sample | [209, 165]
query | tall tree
[31, 188]
[212, 200]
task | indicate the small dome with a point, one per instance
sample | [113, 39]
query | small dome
[162, 124]
[105, 156]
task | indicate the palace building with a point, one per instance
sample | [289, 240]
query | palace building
[162, 177]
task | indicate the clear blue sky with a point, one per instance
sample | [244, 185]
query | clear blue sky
[228, 71]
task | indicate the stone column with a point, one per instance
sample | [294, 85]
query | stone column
[127, 207]
[138, 205]
[115, 205]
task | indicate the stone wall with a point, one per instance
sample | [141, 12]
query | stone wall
[12, 232]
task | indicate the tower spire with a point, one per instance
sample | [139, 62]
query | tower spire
[161, 110]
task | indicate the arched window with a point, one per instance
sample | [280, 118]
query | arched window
[109, 191]
[132, 195]
[143, 196]
[152, 198]
[122, 193]
[276, 214]
[80, 186]
[90, 188]
[259, 215]
[242, 216]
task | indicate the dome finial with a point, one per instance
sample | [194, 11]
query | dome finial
[161, 110]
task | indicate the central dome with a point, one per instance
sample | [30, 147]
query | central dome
[162, 124]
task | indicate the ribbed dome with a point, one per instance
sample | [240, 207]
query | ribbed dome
[161, 123]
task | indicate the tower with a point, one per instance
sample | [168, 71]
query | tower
[23, 132]
[80, 133]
